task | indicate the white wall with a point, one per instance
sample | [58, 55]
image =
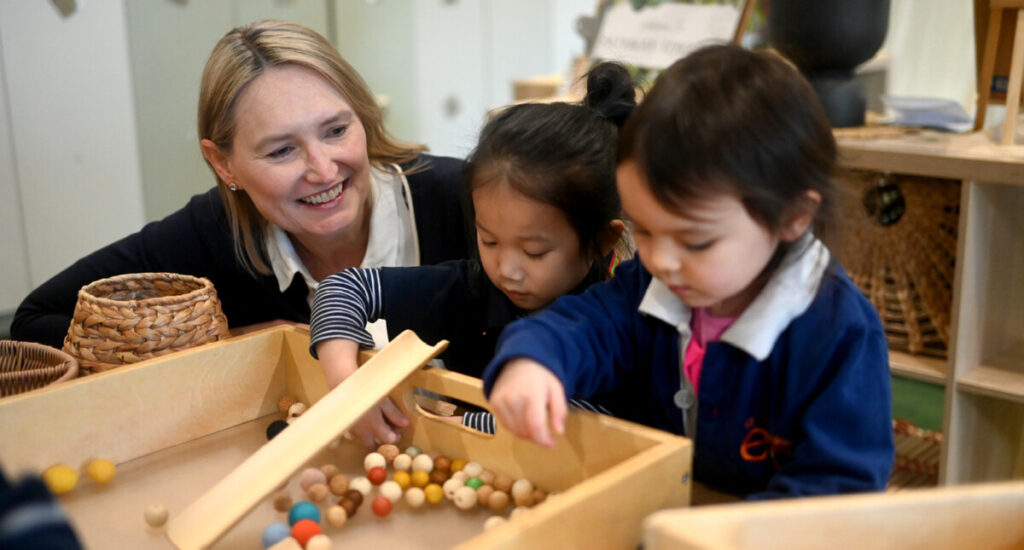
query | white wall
[71, 129]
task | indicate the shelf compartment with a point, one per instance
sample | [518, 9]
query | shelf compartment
[918, 367]
[1000, 376]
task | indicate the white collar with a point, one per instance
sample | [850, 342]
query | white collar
[392, 240]
[785, 297]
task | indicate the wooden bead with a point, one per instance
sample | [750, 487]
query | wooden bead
[460, 476]
[336, 516]
[374, 460]
[381, 506]
[355, 496]
[283, 501]
[517, 511]
[377, 475]
[457, 465]
[402, 462]
[473, 469]
[361, 484]
[329, 470]
[498, 500]
[539, 496]
[350, 507]
[523, 499]
[483, 493]
[60, 478]
[438, 476]
[310, 477]
[389, 452]
[450, 487]
[487, 477]
[156, 515]
[100, 470]
[318, 492]
[296, 410]
[420, 478]
[503, 482]
[465, 498]
[403, 479]
[286, 403]
[434, 493]
[319, 542]
[287, 543]
[493, 522]
[522, 487]
[338, 484]
[422, 462]
[443, 463]
[415, 497]
[391, 490]
[305, 529]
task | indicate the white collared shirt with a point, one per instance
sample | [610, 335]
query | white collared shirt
[787, 295]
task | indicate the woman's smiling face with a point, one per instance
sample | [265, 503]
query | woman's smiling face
[300, 154]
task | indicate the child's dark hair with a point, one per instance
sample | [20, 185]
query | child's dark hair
[561, 154]
[725, 119]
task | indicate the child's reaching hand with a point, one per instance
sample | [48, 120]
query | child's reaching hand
[339, 358]
[526, 397]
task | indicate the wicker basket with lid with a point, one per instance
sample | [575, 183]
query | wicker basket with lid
[130, 318]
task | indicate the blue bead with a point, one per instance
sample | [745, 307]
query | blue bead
[303, 510]
[275, 533]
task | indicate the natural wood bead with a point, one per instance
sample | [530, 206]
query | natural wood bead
[389, 452]
[522, 486]
[503, 482]
[498, 500]
[338, 484]
[319, 542]
[329, 470]
[423, 462]
[355, 496]
[310, 477]
[318, 492]
[350, 507]
[438, 476]
[402, 462]
[156, 515]
[523, 499]
[361, 484]
[473, 469]
[483, 493]
[374, 460]
[286, 403]
[539, 496]
[487, 477]
[283, 501]
[460, 476]
[493, 522]
[336, 516]
[415, 497]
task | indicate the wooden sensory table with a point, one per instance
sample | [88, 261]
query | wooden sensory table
[185, 427]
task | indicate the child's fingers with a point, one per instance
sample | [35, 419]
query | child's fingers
[558, 409]
[392, 413]
[537, 424]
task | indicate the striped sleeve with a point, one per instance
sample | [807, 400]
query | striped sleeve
[342, 306]
[484, 421]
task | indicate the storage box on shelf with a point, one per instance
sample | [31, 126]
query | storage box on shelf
[984, 374]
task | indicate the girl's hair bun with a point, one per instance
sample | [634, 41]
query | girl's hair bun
[610, 92]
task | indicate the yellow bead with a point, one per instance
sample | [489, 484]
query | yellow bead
[434, 493]
[458, 464]
[402, 479]
[100, 470]
[420, 478]
[60, 478]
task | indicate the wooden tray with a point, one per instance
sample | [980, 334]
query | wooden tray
[970, 516]
[184, 426]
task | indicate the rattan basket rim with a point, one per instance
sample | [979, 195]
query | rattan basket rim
[204, 288]
[55, 358]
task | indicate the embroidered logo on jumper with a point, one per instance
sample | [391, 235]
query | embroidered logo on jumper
[760, 445]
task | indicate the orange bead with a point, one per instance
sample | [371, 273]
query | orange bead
[381, 506]
[304, 529]
[377, 475]
[402, 479]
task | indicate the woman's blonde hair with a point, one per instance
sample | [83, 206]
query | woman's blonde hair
[240, 57]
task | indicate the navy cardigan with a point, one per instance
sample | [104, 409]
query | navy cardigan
[196, 240]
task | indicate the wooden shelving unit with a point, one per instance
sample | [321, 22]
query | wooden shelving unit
[984, 376]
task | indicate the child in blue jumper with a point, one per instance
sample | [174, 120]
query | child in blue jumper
[736, 327]
[542, 181]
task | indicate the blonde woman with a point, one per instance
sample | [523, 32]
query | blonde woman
[308, 183]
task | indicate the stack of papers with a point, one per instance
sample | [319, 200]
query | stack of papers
[928, 112]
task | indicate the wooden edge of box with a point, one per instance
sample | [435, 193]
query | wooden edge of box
[874, 520]
[210, 516]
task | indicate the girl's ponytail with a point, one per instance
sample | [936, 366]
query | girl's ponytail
[611, 94]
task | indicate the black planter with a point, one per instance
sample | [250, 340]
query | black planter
[827, 40]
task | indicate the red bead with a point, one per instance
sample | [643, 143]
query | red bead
[305, 529]
[381, 506]
[377, 475]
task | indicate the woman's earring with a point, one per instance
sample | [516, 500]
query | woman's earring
[232, 186]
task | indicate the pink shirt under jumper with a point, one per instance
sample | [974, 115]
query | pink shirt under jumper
[705, 328]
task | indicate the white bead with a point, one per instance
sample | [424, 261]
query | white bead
[493, 522]
[374, 460]
[423, 462]
[402, 462]
[460, 476]
[472, 469]
[361, 484]
[517, 511]
[319, 542]
[450, 487]
[156, 515]
[522, 487]
[392, 490]
[296, 410]
[336, 516]
[415, 497]
[465, 498]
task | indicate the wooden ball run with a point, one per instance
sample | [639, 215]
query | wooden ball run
[207, 462]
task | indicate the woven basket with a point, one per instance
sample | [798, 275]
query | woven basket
[26, 366]
[130, 318]
[899, 246]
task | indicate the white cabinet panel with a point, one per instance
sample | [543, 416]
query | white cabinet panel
[14, 283]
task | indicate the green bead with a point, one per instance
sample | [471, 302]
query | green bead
[474, 482]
